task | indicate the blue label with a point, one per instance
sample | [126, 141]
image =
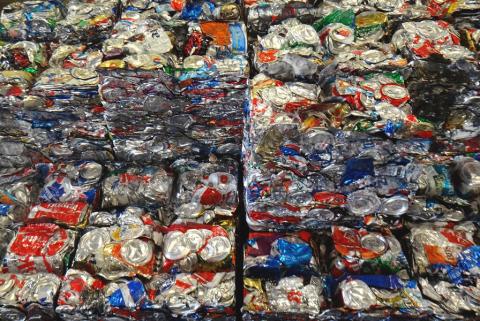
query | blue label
[5, 209]
[52, 193]
[239, 38]
[90, 195]
[391, 282]
[357, 168]
[294, 254]
[137, 291]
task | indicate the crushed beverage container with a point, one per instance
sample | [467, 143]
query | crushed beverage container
[68, 214]
[198, 247]
[447, 252]
[18, 191]
[127, 299]
[290, 297]
[70, 80]
[422, 39]
[28, 56]
[87, 22]
[72, 182]
[40, 248]
[385, 293]
[282, 276]
[190, 295]
[121, 243]
[147, 186]
[80, 296]
[448, 300]
[205, 191]
[270, 255]
[114, 258]
[358, 251]
[28, 297]
[31, 20]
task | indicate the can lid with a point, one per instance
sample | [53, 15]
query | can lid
[374, 242]
[174, 247]
[394, 91]
[217, 249]
[91, 170]
[83, 73]
[363, 202]
[373, 56]
[303, 33]
[91, 242]
[195, 239]
[395, 206]
[321, 214]
[136, 252]
[357, 295]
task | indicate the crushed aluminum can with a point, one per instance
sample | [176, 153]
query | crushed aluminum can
[269, 253]
[376, 58]
[28, 297]
[366, 92]
[370, 26]
[382, 292]
[446, 252]
[76, 56]
[6, 235]
[31, 20]
[128, 216]
[137, 186]
[23, 55]
[15, 85]
[198, 247]
[366, 202]
[125, 299]
[289, 51]
[116, 252]
[260, 17]
[337, 38]
[358, 251]
[71, 215]
[449, 299]
[87, 22]
[440, 8]
[77, 182]
[231, 36]
[427, 209]
[81, 83]
[229, 11]
[201, 293]
[17, 192]
[470, 30]
[153, 45]
[425, 38]
[26, 290]
[80, 296]
[39, 248]
[204, 191]
[292, 296]
[467, 172]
